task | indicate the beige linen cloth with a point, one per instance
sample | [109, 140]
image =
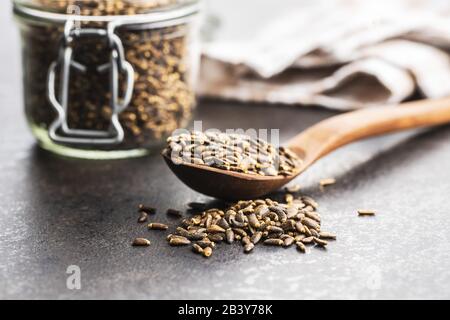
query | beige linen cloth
[339, 54]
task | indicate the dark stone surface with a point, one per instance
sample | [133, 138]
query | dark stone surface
[57, 212]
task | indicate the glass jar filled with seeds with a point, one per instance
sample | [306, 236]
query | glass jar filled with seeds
[108, 78]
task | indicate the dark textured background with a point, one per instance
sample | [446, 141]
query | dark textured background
[55, 212]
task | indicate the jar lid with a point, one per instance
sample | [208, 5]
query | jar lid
[128, 11]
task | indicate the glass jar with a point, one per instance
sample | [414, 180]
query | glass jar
[108, 78]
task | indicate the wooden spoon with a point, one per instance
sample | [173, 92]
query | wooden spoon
[313, 144]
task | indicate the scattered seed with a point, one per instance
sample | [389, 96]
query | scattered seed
[310, 223]
[236, 223]
[276, 235]
[300, 246]
[232, 152]
[327, 182]
[248, 247]
[240, 216]
[163, 98]
[197, 249]
[248, 209]
[300, 227]
[229, 235]
[310, 202]
[288, 225]
[196, 229]
[291, 212]
[279, 211]
[215, 229]
[245, 240]
[253, 221]
[240, 232]
[262, 210]
[274, 229]
[289, 198]
[196, 220]
[293, 188]
[179, 241]
[141, 242]
[327, 235]
[216, 237]
[193, 236]
[142, 217]
[314, 233]
[308, 240]
[183, 232]
[256, 237]
[307, 231]
[206, 243]
[207, 252]
[288, 241]
[313, 215]
[146, 209]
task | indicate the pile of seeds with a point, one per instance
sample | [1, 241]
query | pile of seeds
[235, 152]
[163, 97]
[252, 222]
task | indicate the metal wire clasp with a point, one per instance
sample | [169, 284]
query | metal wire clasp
[59, 130]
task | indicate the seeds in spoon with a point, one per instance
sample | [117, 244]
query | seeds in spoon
[308, 240]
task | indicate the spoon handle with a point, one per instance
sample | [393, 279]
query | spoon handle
[334, 132]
